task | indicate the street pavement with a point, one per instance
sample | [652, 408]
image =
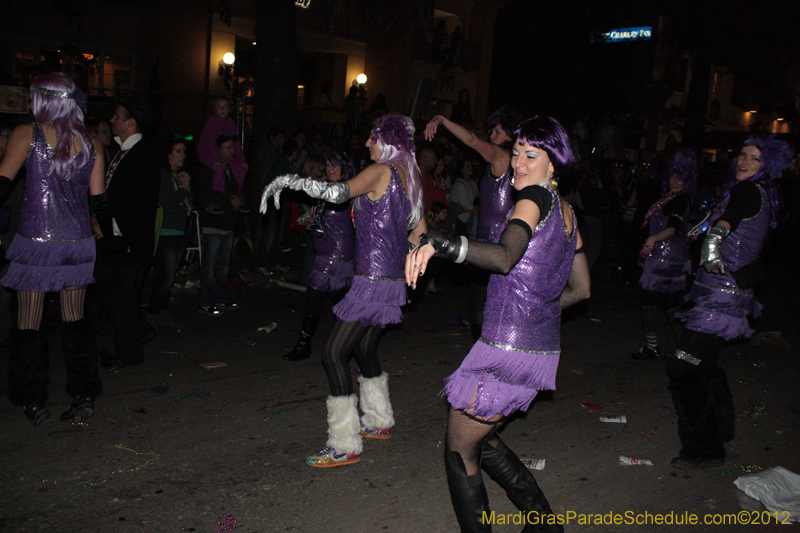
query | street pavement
[176, 447]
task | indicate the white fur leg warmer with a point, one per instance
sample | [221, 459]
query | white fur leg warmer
[375, 403]
[343, 427]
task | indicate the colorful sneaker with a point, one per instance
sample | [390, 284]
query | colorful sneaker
[329, 457]
[376, 433]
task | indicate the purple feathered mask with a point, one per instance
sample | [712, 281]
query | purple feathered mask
[396, 130]
[776, 155]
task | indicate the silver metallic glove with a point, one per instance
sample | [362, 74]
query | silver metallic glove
[274, 189]
[710, 254]
[329, 191]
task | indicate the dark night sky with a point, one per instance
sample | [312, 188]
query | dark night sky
[544, 61]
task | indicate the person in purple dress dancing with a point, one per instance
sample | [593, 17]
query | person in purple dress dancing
[495, 197]
[537, 269]
[387, 212]
[332, 237]
[54, 248]
[665, 255]
[723, 297]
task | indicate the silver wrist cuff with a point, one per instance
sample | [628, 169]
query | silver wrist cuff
[462, 252]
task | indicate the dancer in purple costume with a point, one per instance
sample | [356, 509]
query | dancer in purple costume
[496, 194]
[387, 206]
[537, 254]
[665, 255]
[723, 297]
[332, 237]
[54, 249]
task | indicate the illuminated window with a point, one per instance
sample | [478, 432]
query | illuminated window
[717, 82]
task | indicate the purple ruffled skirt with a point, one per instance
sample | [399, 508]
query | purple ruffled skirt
[330, 275]
[375, 302]
[664, 276]
[494, 380]
[49, 266]
[720, 310]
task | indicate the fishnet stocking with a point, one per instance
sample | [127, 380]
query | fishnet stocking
[72, 304]
[465, 435]
[346, 339]
[31, 307]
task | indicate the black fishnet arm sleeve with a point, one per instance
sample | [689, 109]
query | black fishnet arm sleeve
[502, 256]
[579, 282]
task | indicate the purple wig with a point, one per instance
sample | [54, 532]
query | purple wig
[507, 125]
[545, 133]
[683, 166]
[394, 135]
[343, 160]
[776, 156]
[55, 100]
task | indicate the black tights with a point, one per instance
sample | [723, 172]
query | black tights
[346, 339]
[465, 434]
[31, 307]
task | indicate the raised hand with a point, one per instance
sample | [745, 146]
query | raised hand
[274, 189]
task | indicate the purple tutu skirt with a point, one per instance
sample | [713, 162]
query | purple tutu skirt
[494, 380]
[375, 302]
[720, 311]
[330, 275]
[47, 266]
[664, 276]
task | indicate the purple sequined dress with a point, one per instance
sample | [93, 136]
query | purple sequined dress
[333, 266]
[720, 306]
[666, 269]
[54, 247]
[495, 201]
[379, 287]
[520, 345]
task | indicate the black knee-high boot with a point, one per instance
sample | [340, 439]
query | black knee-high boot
[697, 425]
[28, 373]
[80, 360]
[509, 472]
[302, 350]
[723, 403]
[468, 495]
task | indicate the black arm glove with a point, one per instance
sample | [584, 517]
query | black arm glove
[445, 247]
[579, 282]
[498, 257]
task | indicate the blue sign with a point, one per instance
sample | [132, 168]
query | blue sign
[642, 33]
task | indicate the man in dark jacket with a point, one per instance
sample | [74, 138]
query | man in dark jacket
[220, 200]
[123, 259]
